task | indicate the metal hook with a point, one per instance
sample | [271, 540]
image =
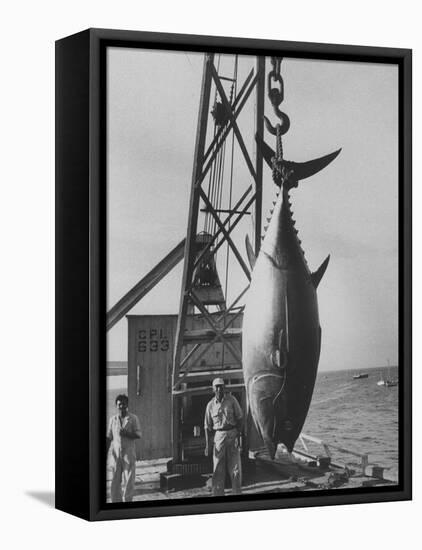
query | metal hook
[279, 129]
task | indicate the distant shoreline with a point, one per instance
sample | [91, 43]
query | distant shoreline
[116, 371]
[118, 368]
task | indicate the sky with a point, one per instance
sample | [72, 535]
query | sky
[348, 210]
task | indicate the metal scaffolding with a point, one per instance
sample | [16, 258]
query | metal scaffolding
[218, 327]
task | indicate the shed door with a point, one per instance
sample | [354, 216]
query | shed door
[149, 382]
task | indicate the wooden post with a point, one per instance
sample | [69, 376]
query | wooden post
[260, 95]
[303, 443]
[202, 163]
[364, 464]
[204, 107]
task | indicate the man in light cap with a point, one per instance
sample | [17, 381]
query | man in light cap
[224, 416]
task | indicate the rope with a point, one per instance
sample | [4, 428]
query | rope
[211, 180]
[217, 172]
[210, 189]
[233, 94]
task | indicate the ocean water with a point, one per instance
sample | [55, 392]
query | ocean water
[357, 415]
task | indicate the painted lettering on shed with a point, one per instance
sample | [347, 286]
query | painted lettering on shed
[154, 339]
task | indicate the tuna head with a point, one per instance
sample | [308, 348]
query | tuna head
[266, 404]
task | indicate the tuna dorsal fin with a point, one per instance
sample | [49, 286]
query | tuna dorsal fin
[317, 275]
[250, 252]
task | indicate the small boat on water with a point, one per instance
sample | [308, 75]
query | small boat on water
[388, 383]
[360, 375]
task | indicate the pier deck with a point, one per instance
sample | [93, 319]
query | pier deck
[284, 474]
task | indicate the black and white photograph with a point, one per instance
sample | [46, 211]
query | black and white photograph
[252, 243]
[210, 274]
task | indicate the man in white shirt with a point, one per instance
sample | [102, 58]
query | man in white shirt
[123, 430]
[224, 417]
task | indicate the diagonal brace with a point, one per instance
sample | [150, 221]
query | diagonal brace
[233, 121]
[226, 234]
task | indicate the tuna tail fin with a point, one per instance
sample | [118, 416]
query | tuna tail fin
[301, 170]
[250, 252]
[317, 275]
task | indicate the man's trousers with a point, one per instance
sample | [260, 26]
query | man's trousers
[226, 455]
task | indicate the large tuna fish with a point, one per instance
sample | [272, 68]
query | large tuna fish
[281, 330]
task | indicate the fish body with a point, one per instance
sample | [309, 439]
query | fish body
[281, 330]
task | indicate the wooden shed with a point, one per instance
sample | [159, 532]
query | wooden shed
[150, 356]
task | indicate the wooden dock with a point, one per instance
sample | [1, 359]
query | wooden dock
[286, 473]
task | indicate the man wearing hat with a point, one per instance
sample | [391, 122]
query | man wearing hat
[224, 416]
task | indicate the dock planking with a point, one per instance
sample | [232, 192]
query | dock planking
[286, 473]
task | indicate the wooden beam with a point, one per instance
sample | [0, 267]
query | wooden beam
[336, 447]
[190, 240]
[237, 220]
[226, 221]
[233, 121]
[233, 304]
[207, 374]
[223, 131]
[226, 234]
[147, 283]
[259, 124]
[206, 389]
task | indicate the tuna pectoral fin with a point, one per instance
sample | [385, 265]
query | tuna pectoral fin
[301, 170]
[319, 273]
[250, 252]
[279, 354]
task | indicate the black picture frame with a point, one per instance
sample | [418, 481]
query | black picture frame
[81, 274]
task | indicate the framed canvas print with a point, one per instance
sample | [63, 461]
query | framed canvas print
[233, 274]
